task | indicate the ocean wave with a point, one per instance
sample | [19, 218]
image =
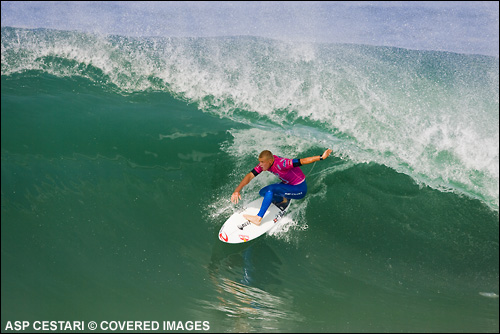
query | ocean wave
[430, 115]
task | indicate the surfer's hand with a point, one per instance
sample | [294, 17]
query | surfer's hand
[235, 197]
[326, 154]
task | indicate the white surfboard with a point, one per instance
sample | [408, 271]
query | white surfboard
[237, 229]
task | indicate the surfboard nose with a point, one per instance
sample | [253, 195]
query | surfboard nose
[223, 236]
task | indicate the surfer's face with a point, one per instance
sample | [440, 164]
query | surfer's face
[265, 164]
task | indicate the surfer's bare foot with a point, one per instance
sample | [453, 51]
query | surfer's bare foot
[253, 219]
[285, 200]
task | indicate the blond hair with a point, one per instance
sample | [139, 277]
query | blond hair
[266, 155]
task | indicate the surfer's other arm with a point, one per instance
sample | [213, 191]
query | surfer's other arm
[310, 160]
[236, 196]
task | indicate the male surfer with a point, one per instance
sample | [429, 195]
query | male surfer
[293, 181]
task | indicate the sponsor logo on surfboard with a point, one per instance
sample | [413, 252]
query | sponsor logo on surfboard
[245, 238]
[242, 226]
[223, 237]
[279, 216]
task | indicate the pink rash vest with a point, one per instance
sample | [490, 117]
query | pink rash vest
[285, 170]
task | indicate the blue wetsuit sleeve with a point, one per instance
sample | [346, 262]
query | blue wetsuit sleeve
[296, 163]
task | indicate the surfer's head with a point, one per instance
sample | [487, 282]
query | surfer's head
[266, 159]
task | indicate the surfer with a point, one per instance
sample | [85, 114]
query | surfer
[293, 181]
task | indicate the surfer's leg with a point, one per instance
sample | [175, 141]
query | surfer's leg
[283, 191]
[298, 191]
[279, 192]
[276, 192]
[268, 194]
[268, 199]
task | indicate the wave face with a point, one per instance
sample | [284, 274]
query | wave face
[430, 115]
[119, 155]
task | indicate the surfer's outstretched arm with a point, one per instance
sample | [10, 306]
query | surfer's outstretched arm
[310, 160]
[236, 196]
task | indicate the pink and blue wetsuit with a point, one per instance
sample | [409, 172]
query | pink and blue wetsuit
[293, 182]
